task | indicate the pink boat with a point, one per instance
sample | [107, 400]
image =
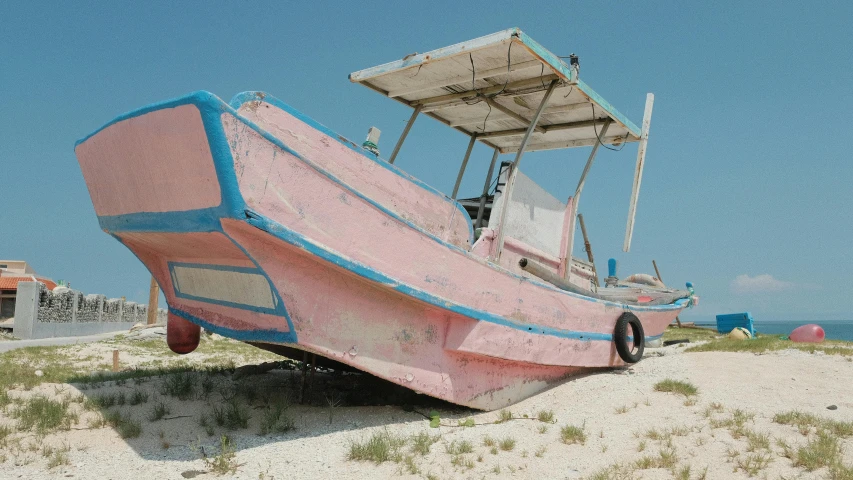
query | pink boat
[262, 225]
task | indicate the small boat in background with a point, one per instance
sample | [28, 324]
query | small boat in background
[262, 225]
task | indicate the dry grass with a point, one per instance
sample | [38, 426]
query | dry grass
[767, 343]
[676, 386]
[571, 434]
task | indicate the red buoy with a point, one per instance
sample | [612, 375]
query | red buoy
[182, 336]
[810, 333]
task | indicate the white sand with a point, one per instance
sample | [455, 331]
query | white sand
[760, 384]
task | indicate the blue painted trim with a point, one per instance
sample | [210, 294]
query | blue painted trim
[201, 220]
[289, 236]
[265, 336]
[276, 310]
[245, 97]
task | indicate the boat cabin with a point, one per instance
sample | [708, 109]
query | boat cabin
[508, 92]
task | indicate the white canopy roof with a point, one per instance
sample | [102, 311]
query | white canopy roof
[492, 87]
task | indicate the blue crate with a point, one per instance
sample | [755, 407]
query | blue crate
[727, 323]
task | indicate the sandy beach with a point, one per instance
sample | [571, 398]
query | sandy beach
[733, 427]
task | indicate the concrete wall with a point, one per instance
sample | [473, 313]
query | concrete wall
[41, 313]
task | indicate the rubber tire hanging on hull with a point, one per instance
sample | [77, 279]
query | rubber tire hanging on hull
[620, 337]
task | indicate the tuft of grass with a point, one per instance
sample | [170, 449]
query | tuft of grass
[180, 385]
[158, 411]
[56, 457]
[753, 464]
[504, 416]
[460, 447]
[616, 471]
[540, 451]
[806, 421]
[507, 444]
[44, 415]
[422, 442]
[138, 397]
[225, 461]
[545, 416]
[666, 458]
[127, 427]
[277, 419]
[489, 441]
[756, 441]
[4, 399]
[736, 423]
[542, 428]
[232, 416]
[380, 447]
[676, 386]
[461, 461]
[822, 451]
[410, 466]
[205, 423]
[468, 422]
[571, 434]
[622, 409]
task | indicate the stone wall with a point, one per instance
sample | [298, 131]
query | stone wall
[41, 313]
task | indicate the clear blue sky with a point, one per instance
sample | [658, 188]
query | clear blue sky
[747, 184]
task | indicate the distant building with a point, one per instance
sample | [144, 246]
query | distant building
[12, 272]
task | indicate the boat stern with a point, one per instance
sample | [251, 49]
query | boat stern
[162, 179]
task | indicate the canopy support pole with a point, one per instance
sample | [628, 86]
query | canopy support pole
[482, 208]
[464, 164]
[405, 133]
[638, 172]
[577, 197]
[515, 164]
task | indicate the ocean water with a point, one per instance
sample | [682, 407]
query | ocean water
[835, 329]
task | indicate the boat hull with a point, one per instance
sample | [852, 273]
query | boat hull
[265, 241]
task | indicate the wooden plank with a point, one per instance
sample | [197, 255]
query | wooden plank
[153, 299]
[588, 247]
[550, 128]
[410, 61]
[553, 110]
[586, 142]
[511, 113]
[520, 87]
[491, 72]
[638, 171]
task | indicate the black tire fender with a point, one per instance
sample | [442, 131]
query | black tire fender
[620, 337]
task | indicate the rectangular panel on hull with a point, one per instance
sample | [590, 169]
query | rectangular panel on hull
[236, 286]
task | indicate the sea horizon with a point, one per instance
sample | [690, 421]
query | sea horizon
[835, 329]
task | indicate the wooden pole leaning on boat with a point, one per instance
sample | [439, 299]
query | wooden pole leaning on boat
[588, 248]
[657, 272]
[153, 299]
[544, 273]
[614, 294]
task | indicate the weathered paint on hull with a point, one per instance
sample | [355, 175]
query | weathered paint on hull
[316, 253]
